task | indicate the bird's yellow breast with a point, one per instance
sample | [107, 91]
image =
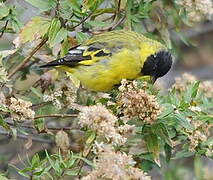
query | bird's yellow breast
[106, 73]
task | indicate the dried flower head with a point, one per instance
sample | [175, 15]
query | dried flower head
[181, 84]
[100, 119]
[112, 165]
[199, 134]
[62, 141]
[20, 110]
[197, 9]
[207, 88]
[138, 103]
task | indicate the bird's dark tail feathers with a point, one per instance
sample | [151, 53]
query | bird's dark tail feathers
[57, 62]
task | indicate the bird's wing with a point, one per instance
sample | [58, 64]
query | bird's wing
[82, 55]
[98, 47]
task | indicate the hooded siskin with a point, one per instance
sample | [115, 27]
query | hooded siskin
[104, 60]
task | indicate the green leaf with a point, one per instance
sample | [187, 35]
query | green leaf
[85, 160]
[168, 152]
[35, 162]
[53, 30]
[153, 145]
[43, 5]
[4, 124]
[36, 92]
[4, 10]
[65, 46]
[81, 37]
[91, 4]
[75, 5]
[183, 154]
[39, 124]
[161, 130]
[167, 109]
[183, 121]
[36, 28]
[60, 36]
[91, 138]
[72, 172]
[52, 163]
[192, 92]
[3, 177]
[4, 108]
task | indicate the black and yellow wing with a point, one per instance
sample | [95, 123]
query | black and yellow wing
[97, 48]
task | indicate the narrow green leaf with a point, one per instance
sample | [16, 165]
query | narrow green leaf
[72, 172]
[60, 36]
[91, 138]
[36, 92]
[81, 37]
[191, 92]
[4, 10]
[168, 152]
[53, 30]
[183, 154]
[153, 145]
[35, 162]
[167, 109]
[183, 121]
[161, 130]
[52, 163]
[85, 160]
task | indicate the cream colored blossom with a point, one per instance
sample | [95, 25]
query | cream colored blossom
[62, 140]
[197, 9]
[54, 98]
[3, 75]
[195, 108]
[65, 89]
[138, 103]
[112, 165]
[100, 119]
[20, 109]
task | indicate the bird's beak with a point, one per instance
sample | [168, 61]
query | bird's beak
[153, 79]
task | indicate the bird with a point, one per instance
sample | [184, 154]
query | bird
[101, 62]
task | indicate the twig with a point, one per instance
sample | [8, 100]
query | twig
[29, 126]
[22, 64]
[83, 20]
[22, 136]
[56, 115]
[119, 6]
[57, 8]
[4, 28]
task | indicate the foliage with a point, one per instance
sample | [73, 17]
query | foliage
[182, 116]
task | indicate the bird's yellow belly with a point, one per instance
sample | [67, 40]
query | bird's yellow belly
[102, 76]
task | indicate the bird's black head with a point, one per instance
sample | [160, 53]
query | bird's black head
[157, 65]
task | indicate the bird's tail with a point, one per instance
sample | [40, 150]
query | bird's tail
[57, 62]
